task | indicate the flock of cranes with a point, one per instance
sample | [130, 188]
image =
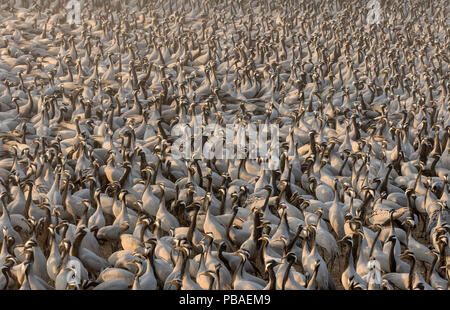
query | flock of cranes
[92, 197]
